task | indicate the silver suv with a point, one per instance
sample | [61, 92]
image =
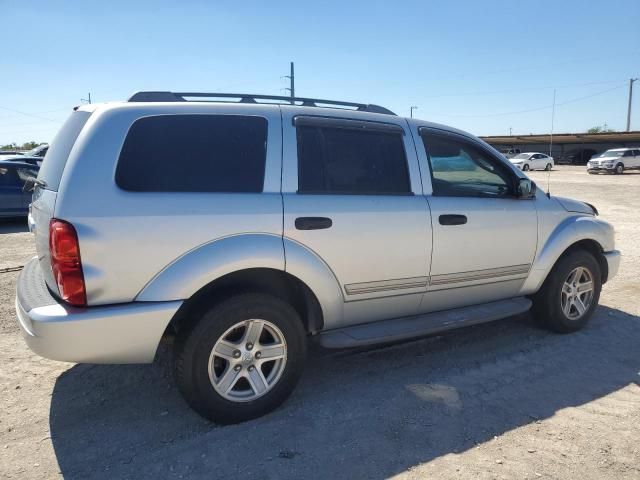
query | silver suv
[243, 226]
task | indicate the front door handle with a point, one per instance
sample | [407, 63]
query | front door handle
[451, 219]
[313, 223]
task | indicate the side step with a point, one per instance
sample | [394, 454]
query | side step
[420, 325]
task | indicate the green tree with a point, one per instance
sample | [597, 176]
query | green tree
[29, 145]
[600, 129]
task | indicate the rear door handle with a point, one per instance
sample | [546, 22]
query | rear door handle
[313, 223]
[451, 219]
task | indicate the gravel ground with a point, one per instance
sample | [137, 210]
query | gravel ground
[503, 400]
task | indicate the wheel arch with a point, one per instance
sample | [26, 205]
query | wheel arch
[256, 280]
[250, 262]
[580, 232]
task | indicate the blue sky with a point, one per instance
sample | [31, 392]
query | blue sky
[483, 66]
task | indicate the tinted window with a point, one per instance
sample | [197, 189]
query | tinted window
[461, 169]
[8, 177]
[349, 161]
[194, 153]
[53, 165]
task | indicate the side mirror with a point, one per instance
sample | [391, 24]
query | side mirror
[526, 188]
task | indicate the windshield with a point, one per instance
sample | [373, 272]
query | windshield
[612, 153]
[522, 155]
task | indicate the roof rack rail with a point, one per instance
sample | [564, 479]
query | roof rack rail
[251, 98]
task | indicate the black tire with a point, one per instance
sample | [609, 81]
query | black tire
[619, 169]
[525, 168]
[547, 306]
[548, 167]
[591, 172]
[193, 349]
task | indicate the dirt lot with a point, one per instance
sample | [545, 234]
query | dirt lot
[504, 400]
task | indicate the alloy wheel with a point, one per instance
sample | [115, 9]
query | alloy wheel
[577, 293]
[247, 360]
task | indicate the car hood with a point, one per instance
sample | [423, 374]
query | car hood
[517, 160]
[571, 205]
[603, 159]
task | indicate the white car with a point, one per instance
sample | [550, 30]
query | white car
[616, 160]
[532, 161]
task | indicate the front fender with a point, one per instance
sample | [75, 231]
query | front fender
[571, 230]
[202, 265]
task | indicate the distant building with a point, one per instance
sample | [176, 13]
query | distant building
[575, 148]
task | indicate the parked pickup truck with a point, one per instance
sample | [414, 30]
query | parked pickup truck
[244, 227]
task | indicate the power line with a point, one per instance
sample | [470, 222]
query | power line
[27, 114]
[518, 90]
[546, 107]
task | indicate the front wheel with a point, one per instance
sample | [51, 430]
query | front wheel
[525, 167]
[570, 294]
[619, 169]
[242, 359]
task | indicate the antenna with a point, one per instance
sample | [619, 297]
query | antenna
[553, 114]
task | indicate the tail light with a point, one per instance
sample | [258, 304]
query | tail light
[65, 262]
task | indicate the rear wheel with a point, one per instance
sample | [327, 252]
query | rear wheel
[242, 359]
[570, 293]
[548, 167]
[619, 169]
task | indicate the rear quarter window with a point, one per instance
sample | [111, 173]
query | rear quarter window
[194, 153]
[60, 148]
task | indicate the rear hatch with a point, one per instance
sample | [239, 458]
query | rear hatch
[45, 193]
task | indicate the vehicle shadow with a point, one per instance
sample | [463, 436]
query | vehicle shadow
[365, 414]
[13, 225]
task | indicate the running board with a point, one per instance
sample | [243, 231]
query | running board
[421, 325]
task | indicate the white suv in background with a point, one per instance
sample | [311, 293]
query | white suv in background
[616, 160]
[532, 161]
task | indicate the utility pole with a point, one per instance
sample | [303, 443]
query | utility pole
[88, 99]
[292, 83]
[553, 114]
[631, 80]
[411, 109]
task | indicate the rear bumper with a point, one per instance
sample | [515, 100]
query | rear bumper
[125, 333]
[613, 263]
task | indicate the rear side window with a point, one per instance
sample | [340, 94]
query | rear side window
[60, 148]
[194, 153]
[350, 161]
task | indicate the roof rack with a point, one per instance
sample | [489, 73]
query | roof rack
[251, 98]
